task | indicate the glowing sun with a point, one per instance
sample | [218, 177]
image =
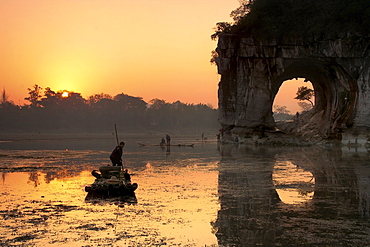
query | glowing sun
[65, 94]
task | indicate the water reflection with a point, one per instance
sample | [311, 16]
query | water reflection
[293, 183]
[34, 179]
[174, 205]
[330, 207]
[101, 199]
[201, 196]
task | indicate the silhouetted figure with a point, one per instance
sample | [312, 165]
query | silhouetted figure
[222, 131]
[163, 142]
[126, 175]
[116, 155]
[168, 139]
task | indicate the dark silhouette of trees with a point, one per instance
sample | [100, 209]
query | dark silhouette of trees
[51, 111]
[281, 113]
[305, 93]
[4, 97]
[164, 115]
[221, 27]
[34, 95]
[9, 112]
[305, 106]
[302, 19]
[50, 99]
[96, 98]
[127, 102]
[281, 109]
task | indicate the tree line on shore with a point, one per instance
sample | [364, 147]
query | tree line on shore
[48, 110]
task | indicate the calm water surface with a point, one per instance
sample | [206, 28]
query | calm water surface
[206, 195]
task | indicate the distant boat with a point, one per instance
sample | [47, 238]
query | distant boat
[158, 145]
[111, 181]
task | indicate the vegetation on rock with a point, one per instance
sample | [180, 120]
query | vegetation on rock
[303, 19]
[305, 93]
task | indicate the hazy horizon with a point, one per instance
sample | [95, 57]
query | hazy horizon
[149, 49]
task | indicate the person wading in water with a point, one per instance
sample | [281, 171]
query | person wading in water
[168, 139]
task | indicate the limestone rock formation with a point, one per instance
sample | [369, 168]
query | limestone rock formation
[253, 70]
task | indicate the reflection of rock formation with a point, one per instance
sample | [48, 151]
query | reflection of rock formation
[342, 179]
[253, 70]
[336, 185]
[251, 213]
[247, 198]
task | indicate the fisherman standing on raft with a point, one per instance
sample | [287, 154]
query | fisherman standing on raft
[116, 155]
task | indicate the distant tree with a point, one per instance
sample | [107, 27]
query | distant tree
[34, 95]
[104, 104]
[305, 93]
[305, 106]
[178, 105]
[157, 103]
[4, 97]
[128, 102]
[74, 100]
[129, 111]
[60, 113]
[49, 99]
[204, 116]
[159, 114]
[102, 109]
[281, 113]
[281, 109]
[52, 99]
[97, 97]
[5, 103]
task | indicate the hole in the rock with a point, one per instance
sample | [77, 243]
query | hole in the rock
[285, 105]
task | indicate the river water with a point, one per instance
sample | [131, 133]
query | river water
[205, 195]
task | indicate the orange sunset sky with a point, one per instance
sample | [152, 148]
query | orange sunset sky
[144, 48]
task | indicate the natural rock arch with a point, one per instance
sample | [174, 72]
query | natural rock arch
[335, 92]
[252, 72]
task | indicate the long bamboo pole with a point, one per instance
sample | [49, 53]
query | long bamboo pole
[115, 128]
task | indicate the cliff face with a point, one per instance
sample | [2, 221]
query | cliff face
[253, 70]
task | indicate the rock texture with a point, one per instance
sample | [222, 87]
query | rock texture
[252, 72]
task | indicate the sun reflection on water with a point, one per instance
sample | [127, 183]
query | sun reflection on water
[186, 201]
[175, 205]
